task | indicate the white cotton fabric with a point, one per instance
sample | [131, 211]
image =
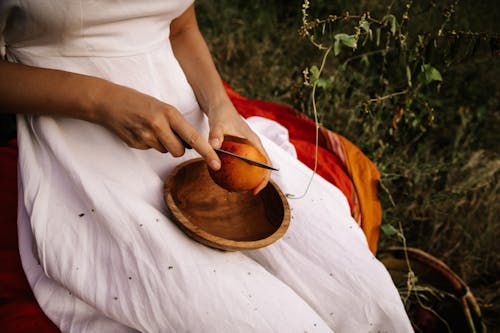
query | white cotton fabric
[273, 131]
[96, 244]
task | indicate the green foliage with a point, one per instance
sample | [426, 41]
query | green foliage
[398, 92]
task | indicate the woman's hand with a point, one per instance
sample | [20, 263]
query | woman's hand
[226, 120]
[140, 120]
[144, 122]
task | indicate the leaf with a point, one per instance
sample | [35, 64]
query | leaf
[323, 83]
[336, 48]
[388, 229]
[365, 26]
[430, 74]
[347, 40]
[314, 70]
[392, 21]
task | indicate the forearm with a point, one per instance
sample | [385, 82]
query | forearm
[39, 91]
[192, 52]
[140, 120]
[196, 61]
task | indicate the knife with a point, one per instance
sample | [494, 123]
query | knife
[246, 159]
[222, 151]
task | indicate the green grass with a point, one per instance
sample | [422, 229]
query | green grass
[442, 179]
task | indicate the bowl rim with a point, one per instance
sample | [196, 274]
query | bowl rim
[215, 241]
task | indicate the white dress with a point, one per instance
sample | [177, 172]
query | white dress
[97, 247]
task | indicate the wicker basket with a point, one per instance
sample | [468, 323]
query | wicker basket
[436, 299]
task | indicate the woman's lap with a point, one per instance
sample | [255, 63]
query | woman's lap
[139, 269]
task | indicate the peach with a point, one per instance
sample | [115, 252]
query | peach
[236, 175]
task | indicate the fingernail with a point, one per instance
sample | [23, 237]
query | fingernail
[214, 142]
[214, 164]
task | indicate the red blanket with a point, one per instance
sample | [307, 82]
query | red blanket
[340, 162]
[19, 311]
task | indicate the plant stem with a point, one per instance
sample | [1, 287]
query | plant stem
[316, 123]
[378, 99]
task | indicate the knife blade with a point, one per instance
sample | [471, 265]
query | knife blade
[222, 151]
[246, 159]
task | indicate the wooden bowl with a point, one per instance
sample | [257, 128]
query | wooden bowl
[221, 219]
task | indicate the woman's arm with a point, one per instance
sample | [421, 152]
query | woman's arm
[195, 59]
[194, 56]
[140, 120]
[38, 91]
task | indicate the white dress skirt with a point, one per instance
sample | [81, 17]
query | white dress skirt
[96, 244]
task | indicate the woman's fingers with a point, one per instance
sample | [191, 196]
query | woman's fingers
[226, 120]
[192, 137]
[176, 134]
[216, 136]
[137, 138]
[150, 140]
[170, 141]
[144, 122]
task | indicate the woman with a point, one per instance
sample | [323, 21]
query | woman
[96, 86]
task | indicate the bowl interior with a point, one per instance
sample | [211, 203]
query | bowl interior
[223, 219]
